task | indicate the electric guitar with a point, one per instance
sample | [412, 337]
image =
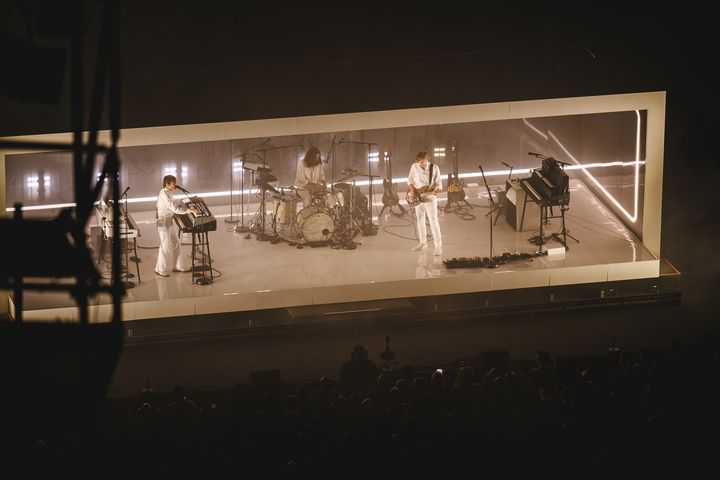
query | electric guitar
[390, 194]
[419, 196]
[456, 192]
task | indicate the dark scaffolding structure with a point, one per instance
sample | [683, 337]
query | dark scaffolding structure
[55, 375]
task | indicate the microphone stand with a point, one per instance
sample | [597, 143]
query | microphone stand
[491, 259]
[331, 151]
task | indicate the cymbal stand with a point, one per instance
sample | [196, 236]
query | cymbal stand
[348, 226]
[256, 219]
[371, 227]
[232, 219]
[275, 237]
[242, 228]
[261, 235]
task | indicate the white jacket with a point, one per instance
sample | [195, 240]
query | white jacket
[166, 208]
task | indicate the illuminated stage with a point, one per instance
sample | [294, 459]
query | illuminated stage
[255, 275]
[612, 148]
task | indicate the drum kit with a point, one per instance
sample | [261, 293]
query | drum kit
[333, 216]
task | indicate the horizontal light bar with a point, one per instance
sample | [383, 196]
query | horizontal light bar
[400, 180]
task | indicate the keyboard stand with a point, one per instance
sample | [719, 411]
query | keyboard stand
[201, 243]
[546, 213]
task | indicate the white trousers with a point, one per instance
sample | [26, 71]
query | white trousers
[169, 256]
[428, 209]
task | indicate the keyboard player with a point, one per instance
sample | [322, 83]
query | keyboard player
[170, 256]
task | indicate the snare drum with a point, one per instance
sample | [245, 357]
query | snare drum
[285, 210]
[315, 224]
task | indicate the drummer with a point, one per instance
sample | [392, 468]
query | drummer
[310, 175]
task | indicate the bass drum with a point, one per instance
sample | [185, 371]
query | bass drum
[315, 224]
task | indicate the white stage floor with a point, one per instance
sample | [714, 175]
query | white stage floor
[260, 275]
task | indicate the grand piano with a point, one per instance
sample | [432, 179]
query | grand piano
[548, 187]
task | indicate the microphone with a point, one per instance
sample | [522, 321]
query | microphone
[181, 188]
[124, 192]
[509, 166]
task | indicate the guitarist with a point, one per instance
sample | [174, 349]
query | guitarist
[424, 183]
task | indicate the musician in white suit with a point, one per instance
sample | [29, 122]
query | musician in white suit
[425, 177]
[170, 256]
[310, 175]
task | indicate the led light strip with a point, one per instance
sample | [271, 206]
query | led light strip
[534, 128]
[637, 163]
[402, 180]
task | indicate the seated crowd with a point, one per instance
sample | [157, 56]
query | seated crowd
[646, 408]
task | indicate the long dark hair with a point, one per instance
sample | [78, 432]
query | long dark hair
[310, 157]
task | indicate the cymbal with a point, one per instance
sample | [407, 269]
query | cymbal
[348, 174]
